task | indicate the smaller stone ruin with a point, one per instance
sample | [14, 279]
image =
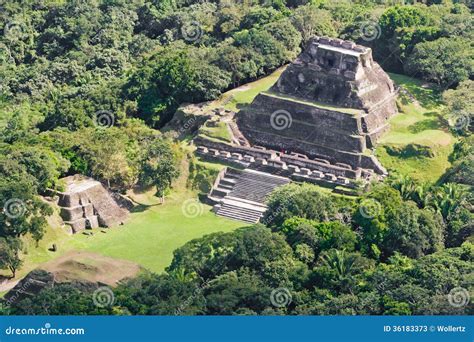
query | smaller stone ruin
[86, 203]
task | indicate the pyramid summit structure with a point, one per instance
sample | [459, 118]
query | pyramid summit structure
[332, 103]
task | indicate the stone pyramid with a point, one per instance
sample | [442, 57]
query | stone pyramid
[86, 203]
[331, 103]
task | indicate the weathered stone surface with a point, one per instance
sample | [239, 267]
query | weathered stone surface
[331, 103]
[263, 157]
[341, 74]
[241, 194]
[86, 203]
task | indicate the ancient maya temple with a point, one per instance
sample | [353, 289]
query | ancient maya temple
[332, 103]
[318, 123]
[86, 203]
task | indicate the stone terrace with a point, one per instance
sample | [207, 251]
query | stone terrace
[241, 194]
[86, 203]
[331, 103]
[316, 124]
[295, 166]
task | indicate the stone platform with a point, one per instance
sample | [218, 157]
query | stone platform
[86, 203]
[241, 194]
[294, 166]
[332, 103]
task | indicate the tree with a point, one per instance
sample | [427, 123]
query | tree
[237, 292]
[413, 232]
[163, 294]
[62, 299]
[22, 213]
[285, 33]
[460, 106]
[159, 165]
[267, 51]
[339, 270]
[445, 61]
[255, 247]
[389, 225]
[448, 198]
[401, 28]
[312, 21]
[170, 77]
[462, 160]
[305, 201]
[9, 258]
[405, 185]
[318, 235]
[259, 16]
[42, 163]
[371, 215]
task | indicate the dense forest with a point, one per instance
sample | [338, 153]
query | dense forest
[87, 86]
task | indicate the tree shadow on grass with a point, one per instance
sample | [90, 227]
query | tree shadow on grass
[435, 122]
[425, 125]
[428, 95]
[141, 208]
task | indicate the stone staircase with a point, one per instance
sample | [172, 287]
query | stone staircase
[241, 194]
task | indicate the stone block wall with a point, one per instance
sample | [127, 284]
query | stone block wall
[337, 72]
[86, 203]
[332, 103]
[285, 164]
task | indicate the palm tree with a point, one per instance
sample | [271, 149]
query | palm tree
[405, 185]
[423, 195]
[343, 265]
[448, 198]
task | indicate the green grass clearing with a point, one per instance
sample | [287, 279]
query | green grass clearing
[220, 131]
[418, 123]
[236, 98]
[148, 238]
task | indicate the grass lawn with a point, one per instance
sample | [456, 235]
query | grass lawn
[149, 237]
[154, 231]
[238, 97]
[219, 132]
[418, 123]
